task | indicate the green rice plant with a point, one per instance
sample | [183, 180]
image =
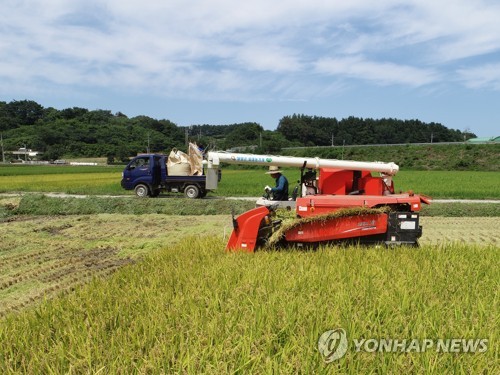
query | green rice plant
[456, 209]
[193, 308]
[451, 184]
[251, 182]
[38, 204]
[436, 184]
[239, 182]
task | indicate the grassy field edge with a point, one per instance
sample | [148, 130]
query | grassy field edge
[39, 204]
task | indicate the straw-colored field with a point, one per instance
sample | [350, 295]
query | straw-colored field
[191, 308]
[41, 256]
[156, 293]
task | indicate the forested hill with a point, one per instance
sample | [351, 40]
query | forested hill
[82, 132]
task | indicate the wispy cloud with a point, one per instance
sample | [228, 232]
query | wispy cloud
[480, 77]
[384, 73]
[222, 48]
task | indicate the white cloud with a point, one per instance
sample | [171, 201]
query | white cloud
[385, 73]
[226, 48]
[456, 30]
[485, 76]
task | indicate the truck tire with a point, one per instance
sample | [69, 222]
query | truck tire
[192, 191]
[142, 191]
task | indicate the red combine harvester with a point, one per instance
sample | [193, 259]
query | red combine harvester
[344, 203]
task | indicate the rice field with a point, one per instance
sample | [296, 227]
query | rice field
[192, 308]
[44, 255]
[436, 184]
[238, 182]
[66, 179]
[451, 184]
[129, 287]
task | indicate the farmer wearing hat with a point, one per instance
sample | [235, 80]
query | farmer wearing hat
[280, 191]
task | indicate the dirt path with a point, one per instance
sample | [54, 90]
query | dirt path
[64, 195]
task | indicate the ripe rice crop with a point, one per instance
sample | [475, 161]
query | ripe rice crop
[177, 305]
[26, 170]
[192, 308]
[97, 182]
[105, 231]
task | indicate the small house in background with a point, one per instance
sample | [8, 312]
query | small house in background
[26, 153]
[484, 140]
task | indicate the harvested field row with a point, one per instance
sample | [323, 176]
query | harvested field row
[42, 256]
[62, 284]
[476, 230]
[58, 270]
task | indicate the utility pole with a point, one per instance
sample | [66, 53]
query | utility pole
[432, 136]
[1, 144]
[332, 139]
[343, 145]
[187, 136]
[148, 144]
[466, 132]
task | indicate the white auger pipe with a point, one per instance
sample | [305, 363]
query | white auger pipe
[215, 158]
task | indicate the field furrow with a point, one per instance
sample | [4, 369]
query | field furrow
[42, 256]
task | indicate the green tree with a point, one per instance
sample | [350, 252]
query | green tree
[245, 134]
[24, 112]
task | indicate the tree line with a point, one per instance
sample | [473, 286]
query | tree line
[79, 132]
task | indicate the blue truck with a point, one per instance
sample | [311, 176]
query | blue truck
[148, 176]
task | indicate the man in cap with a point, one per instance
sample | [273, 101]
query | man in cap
[280, 191]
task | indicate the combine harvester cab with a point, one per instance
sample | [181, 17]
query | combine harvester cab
[344, 205]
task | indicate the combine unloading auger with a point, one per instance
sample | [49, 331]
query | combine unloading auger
[344, 203]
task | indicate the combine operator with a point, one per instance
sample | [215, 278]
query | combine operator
[280, 192]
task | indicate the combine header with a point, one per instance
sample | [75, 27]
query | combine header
[336, 201]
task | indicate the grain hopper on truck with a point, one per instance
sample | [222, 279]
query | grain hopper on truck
[337, 201]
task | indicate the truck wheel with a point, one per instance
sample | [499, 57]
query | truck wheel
[192, 191]
[142, 191]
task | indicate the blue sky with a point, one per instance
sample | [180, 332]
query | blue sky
[224, 62]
